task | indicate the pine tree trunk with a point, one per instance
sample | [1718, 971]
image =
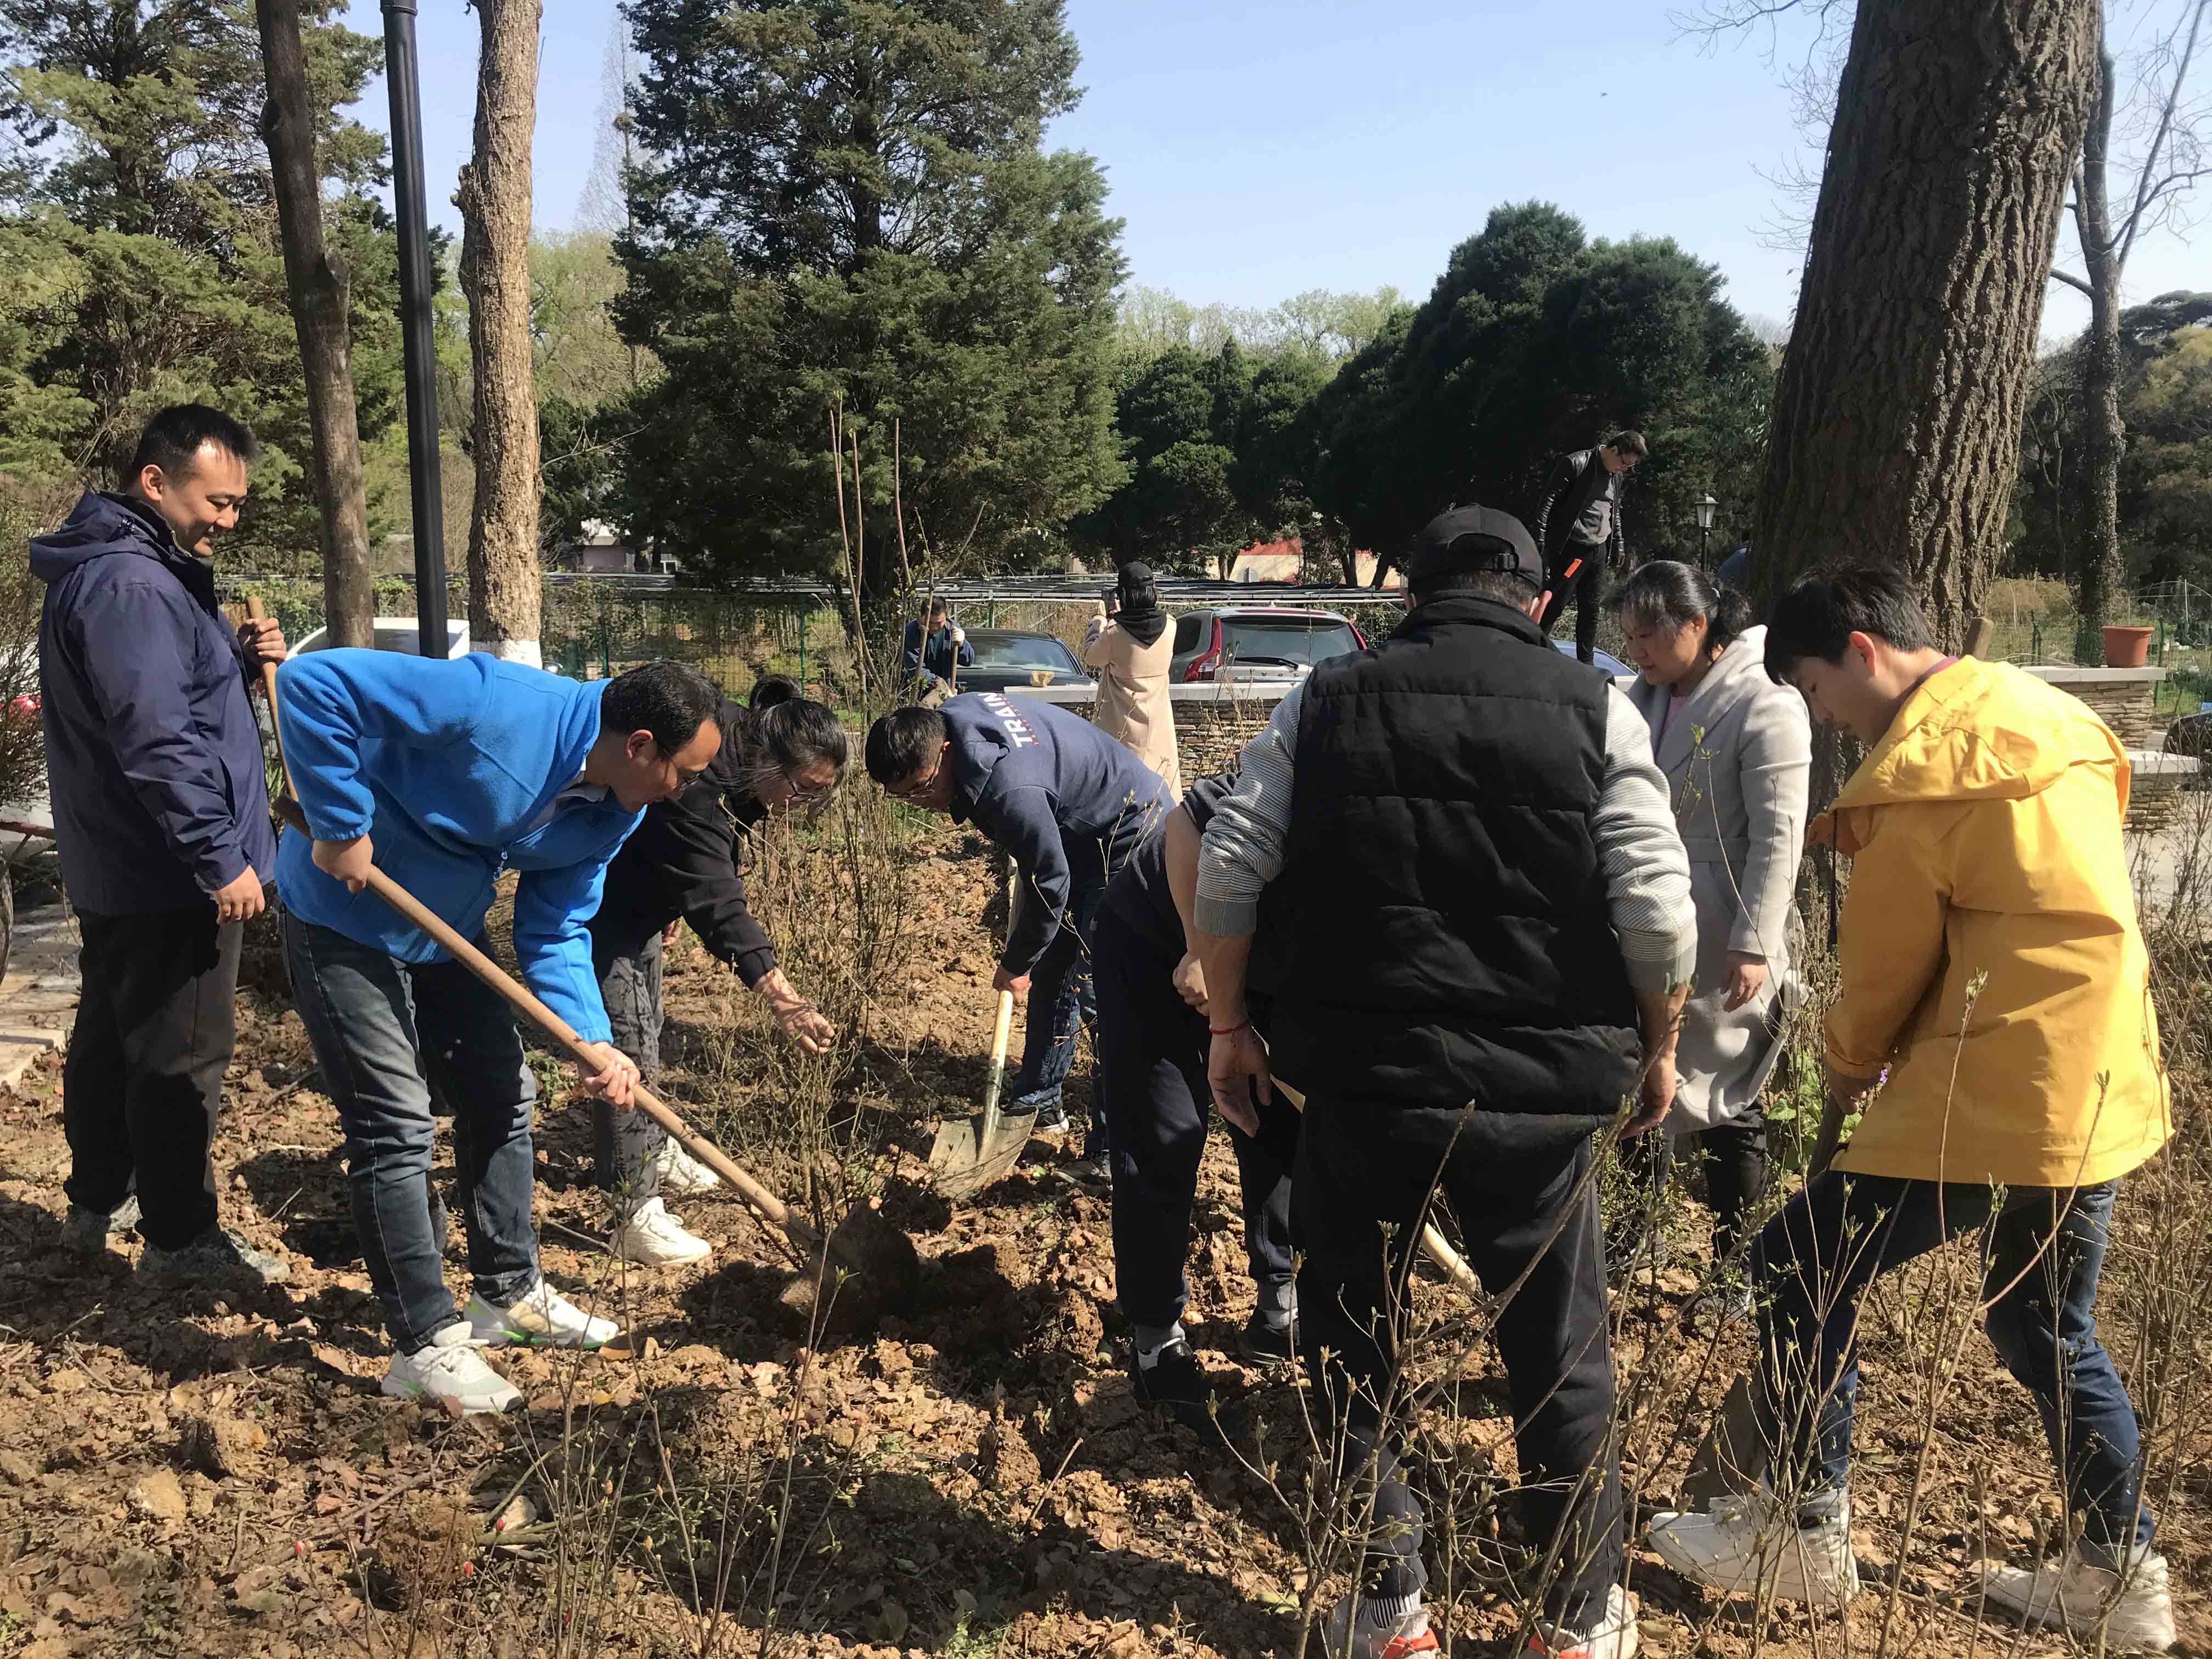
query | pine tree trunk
[315, 281]
[504, 596]
[1897, 412]
[2104, 431]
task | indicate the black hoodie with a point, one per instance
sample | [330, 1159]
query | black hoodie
[682, 861]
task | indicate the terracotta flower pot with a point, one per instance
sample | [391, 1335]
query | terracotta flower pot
[2127, 647]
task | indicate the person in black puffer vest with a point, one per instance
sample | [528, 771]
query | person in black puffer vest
[681, 864]
[1475, 930]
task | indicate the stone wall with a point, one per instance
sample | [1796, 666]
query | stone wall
[1212, 723]
[2124, 698]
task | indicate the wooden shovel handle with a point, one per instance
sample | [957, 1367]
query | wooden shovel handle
[256, 611]
[771, 1208]
[1439, 1249]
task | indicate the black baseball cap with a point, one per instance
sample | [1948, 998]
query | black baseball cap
[1475, 538]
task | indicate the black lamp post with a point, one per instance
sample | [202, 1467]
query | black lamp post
[417, 337]
[1706, 507]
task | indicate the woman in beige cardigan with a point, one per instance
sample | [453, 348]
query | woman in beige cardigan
[1129, 652]
[1736, 748]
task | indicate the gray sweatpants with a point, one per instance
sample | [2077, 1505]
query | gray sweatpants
[626, 1143]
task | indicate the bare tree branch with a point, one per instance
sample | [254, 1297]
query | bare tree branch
[2149, 184]
[2071, 281]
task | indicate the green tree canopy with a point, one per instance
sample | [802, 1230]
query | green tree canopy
[847, 201]
[2165, 404]
[139, 262]
[1534, 341]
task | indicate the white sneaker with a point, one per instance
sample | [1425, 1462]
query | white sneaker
[682, 1172]
[450, 1366]
[1755, 1545]
[541, 1318]
[1614, 1635]
[2135, 1617]
[651, 1238]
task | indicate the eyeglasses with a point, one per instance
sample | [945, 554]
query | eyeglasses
[917, 788]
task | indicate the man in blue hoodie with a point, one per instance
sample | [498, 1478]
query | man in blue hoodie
[162, 816]
[1069, 804]
[443, 774]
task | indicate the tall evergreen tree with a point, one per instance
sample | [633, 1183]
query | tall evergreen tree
[139, 252]
[847, 201]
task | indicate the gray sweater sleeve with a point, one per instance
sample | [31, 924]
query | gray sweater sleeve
[1647, 873]
[1243, 848]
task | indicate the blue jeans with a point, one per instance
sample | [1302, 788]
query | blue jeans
[386, 1034]
[1060, 999]
[2042, 1251]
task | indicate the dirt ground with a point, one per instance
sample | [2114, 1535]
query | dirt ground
[192, 1472]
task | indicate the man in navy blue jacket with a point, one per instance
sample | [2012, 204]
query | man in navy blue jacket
[1070, 804]
[162, 816]
[442, 775]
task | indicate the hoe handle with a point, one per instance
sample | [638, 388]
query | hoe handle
[772, 1209]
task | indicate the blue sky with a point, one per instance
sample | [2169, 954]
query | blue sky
[1259, 149]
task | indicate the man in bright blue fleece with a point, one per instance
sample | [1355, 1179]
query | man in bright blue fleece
[1070, 804]
[444, 774]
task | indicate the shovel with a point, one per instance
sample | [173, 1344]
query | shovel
[972, 1153]
[886, 1267]
[1440, 1251]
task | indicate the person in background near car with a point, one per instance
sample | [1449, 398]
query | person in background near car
[1993, 1018]
[1473, 917]
[1069, 806]
[162, 818]
[1152, 1036]
[680, 865]
[442, 775]
[1578, 527]
[1130, 646]
[931, 650]
[1737, 750]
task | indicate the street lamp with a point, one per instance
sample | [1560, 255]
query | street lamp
[1706, 507]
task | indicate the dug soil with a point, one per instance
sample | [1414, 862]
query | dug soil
[188, 1472]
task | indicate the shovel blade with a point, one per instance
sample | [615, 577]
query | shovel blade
[1729, 1461]
[963, 1162]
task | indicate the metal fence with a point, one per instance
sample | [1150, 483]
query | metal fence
[595, 626]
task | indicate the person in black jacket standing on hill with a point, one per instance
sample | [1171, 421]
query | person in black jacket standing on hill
[681, 864]
[162, 816]
[1578, 527]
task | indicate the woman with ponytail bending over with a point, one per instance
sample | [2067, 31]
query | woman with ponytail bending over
[681, 864]
[1736, 748]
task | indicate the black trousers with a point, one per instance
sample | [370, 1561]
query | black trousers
[1584, 585]
[1363, 1165]
[1151, 1074]
[1734, 1156]
[155, 1024]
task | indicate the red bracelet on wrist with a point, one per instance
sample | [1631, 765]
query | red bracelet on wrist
[1230, 1030]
